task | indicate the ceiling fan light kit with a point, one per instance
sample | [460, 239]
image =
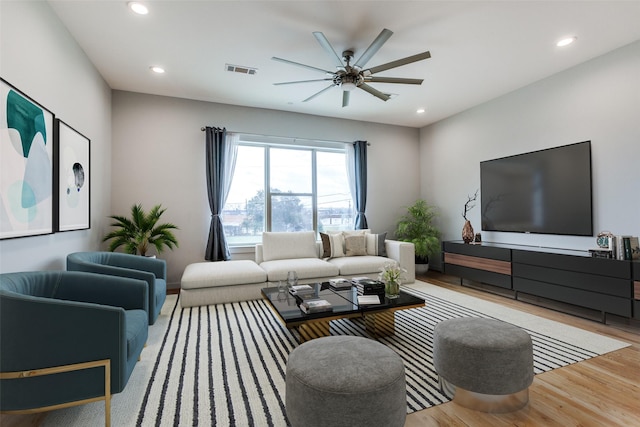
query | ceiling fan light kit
[350, 77]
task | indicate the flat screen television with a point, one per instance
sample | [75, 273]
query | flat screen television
[546, 192]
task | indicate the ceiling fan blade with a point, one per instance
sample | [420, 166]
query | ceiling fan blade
[345, 98]
[374, 92]
[302, 81]
[328, 48]
[373, 48]
[398, 63]
[286, 61]
[318, 93]
[373, 79]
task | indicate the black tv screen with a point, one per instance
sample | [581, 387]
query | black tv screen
[547, 192]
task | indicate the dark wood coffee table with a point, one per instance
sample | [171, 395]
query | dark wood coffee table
[379, 318]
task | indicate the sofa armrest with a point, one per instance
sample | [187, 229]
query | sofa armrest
[404, 253]
[124, 292]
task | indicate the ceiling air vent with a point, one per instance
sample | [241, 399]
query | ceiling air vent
[241, 69]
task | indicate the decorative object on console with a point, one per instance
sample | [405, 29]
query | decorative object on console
[416, 226]
[467, 229]
[391, 275]
[140, 231]
[478, 238]
[605, 240]
[631, 248]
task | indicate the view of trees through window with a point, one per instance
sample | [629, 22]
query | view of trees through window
[297, 188]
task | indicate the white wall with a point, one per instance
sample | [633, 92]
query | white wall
[40, 58]
[158, 157]
[598, 101]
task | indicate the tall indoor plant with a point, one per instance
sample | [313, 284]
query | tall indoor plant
[141, 231]
[416, 226]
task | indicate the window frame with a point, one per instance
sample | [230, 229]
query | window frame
[307, 145]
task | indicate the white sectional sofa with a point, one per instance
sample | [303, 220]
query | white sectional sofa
[349, 254]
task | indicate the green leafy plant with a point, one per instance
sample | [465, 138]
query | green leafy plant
[141, 231]
[416, 226]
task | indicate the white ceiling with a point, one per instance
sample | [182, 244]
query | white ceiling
[480, 49]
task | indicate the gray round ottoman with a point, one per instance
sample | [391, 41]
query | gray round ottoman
[345, 381]
[483, 364]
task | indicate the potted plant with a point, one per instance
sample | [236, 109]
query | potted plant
[392, 275]
[141, 231]
[416, 226]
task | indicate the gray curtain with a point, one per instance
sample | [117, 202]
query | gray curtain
[220, 163]
[360, 158]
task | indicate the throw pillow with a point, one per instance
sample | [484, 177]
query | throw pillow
[355, 232]
[375, 244]
[355, 245]
[332, 245]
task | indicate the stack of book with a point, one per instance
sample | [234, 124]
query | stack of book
[315, 306]
[340, 283]
[601, 253]
[301, 289]
[626, 248]
[369, 299]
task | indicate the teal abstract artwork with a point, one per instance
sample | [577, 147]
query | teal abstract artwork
[26, 165]
[26, 118]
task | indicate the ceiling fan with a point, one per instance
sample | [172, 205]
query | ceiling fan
[351, 76]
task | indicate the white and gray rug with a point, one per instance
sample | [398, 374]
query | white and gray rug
[225, 364]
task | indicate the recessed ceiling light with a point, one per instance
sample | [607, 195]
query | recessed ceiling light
[420, 110]
[156, 69]
[138, 7]
[566, 41]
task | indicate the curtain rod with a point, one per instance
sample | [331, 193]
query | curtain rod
[286, 137]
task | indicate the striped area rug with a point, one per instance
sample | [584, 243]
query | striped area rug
[225, 364]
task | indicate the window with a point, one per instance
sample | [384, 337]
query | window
[285, 185]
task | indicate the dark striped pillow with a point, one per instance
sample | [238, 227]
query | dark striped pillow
[375, 244]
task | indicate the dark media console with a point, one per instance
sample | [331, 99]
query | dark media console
[570, 277]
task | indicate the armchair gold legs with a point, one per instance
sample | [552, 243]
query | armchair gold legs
[106, 363]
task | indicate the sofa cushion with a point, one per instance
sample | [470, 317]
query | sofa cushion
[376, 245]
[288, 245]
[307, 268]
[355, 245]
[332, 245]
[222, 273]
[367, 264]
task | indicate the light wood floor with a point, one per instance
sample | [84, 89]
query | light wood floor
[603, 391]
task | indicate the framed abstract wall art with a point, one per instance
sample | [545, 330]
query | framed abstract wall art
[26, 165]
[72, 180]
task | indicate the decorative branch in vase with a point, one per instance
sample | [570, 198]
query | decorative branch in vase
[467, 229]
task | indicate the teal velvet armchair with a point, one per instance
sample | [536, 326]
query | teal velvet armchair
[68, 338]
[151, 270]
